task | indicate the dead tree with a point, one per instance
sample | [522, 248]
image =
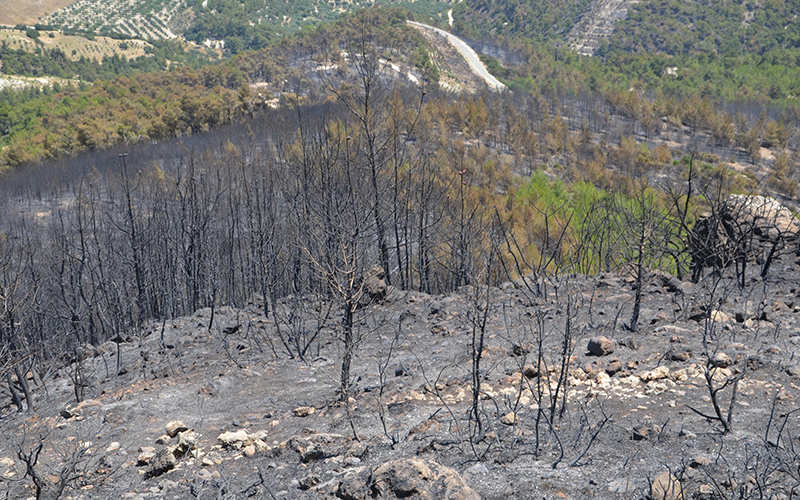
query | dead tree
[371, 140]
[644, 232]
[70, 469]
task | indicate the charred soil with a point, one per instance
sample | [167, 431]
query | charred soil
[554, 419]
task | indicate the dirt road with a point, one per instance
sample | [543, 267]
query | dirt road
[470, 55]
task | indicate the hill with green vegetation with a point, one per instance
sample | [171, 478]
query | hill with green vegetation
[696, 27]
[669, 27]
[253, 24]
[533, 20]
[729, 51]
[37, 124]
[240, 24]
[56, 62]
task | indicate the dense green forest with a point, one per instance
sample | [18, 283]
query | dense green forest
[696, 27]
[727, 51]
[742, 78]
[532, 20]
[670, 27]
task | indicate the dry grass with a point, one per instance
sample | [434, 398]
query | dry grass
[100, 47]
[14, 12]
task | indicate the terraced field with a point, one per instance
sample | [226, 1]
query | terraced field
[74, 46]
[165, 19]
[149, 19]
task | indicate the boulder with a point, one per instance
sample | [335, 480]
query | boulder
[601, 346]
[679, 355]
[145, 456]
[238, 439]
[309, 482]
[321, 445]
[593, 368]
[374, 285]
[211, 459]
[740, 229]
[613, 367]
[509, 418]
[603, 379]
[718, 316]
[640, 433]
[721, 360]
[186, 442]
[162, 462]
[175, 427]
[260, 446]
[410, 478]
[657, 373]
[304, 411]
[700, 461]
[666, 487]
[530, 372]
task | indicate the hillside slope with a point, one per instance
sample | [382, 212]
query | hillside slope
[536, 20]
[14, 12]
[261, 424]
[697, 27]
[235, 25]
[671, 27]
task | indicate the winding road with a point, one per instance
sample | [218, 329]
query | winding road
[470, 55]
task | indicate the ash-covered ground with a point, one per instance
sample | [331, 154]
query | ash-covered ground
[250, 417]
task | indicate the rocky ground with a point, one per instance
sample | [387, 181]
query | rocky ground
[182, 410]
[596, 24]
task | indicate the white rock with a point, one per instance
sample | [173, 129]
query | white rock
[238, 439]
[603, 379]
[630, 380]
[658, 373]
[509, 418]
[175, 427]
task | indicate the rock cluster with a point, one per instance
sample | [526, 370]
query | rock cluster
[411, 478]
[163, 461]
[739, 230]
[250, 444]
